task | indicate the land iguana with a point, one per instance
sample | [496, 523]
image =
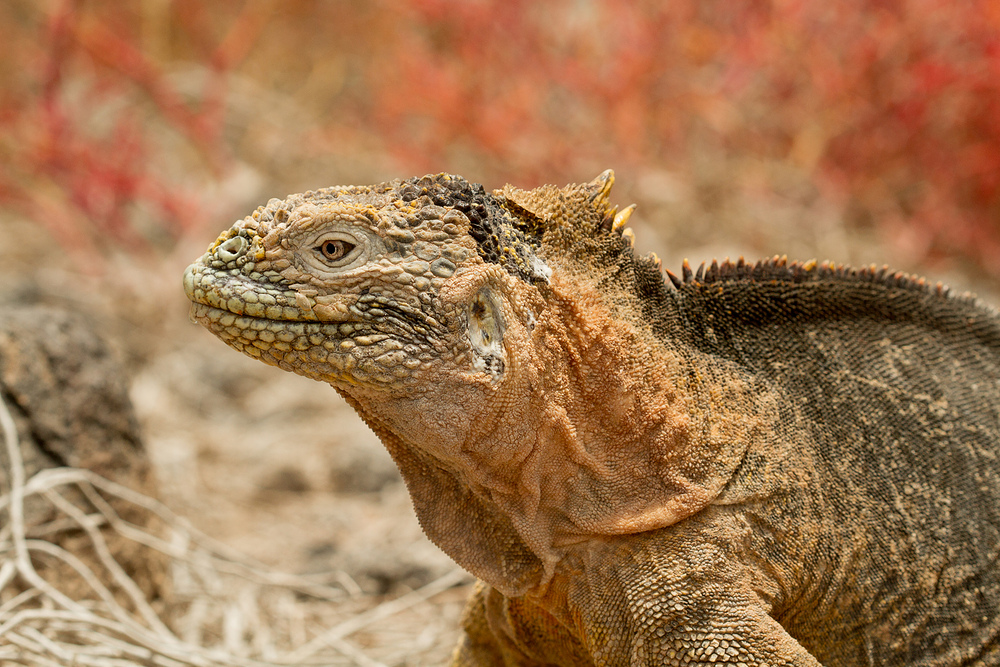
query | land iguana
[765, 463]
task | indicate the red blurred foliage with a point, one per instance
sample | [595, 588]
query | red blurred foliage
[892, 107]
[908, 94]
[78, 155]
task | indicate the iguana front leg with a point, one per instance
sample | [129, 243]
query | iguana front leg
[714, 625]
[685, 595]
[711, 626]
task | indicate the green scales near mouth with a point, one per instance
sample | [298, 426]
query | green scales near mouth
[765, 463]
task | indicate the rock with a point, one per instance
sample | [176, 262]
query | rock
[68, 397]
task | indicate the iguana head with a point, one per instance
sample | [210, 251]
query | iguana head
[385, 287]
[476, 334]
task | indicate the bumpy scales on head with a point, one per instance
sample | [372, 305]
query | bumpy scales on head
[341, 284]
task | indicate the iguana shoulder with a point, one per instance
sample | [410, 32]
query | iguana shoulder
[726, 466]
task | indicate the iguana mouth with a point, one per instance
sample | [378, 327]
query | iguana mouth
[281, 334]
[240, 295]
[243, 297]
[374, 340]
[337, 352]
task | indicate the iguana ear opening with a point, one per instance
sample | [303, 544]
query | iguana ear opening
[486, 327]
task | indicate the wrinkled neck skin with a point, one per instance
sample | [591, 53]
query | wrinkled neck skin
[593, 429]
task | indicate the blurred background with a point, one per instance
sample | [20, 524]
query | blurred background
[132, 133]
[133, 127]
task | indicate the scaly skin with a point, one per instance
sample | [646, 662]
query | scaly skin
[756, 465]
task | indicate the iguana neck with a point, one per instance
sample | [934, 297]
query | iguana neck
[630, 434]
[598, 429]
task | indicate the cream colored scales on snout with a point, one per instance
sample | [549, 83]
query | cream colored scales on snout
[769, 463]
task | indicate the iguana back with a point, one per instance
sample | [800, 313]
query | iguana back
[890, 391]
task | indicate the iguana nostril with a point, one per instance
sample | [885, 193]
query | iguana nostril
[232, 249]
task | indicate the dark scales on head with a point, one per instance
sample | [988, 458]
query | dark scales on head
[502, 238]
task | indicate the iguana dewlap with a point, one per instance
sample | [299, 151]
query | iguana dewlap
[757, 464]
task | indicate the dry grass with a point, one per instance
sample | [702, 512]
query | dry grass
[225, 608]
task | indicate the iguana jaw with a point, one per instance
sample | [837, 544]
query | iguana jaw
[475, 376]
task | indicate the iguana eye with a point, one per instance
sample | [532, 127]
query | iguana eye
[334, 250]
